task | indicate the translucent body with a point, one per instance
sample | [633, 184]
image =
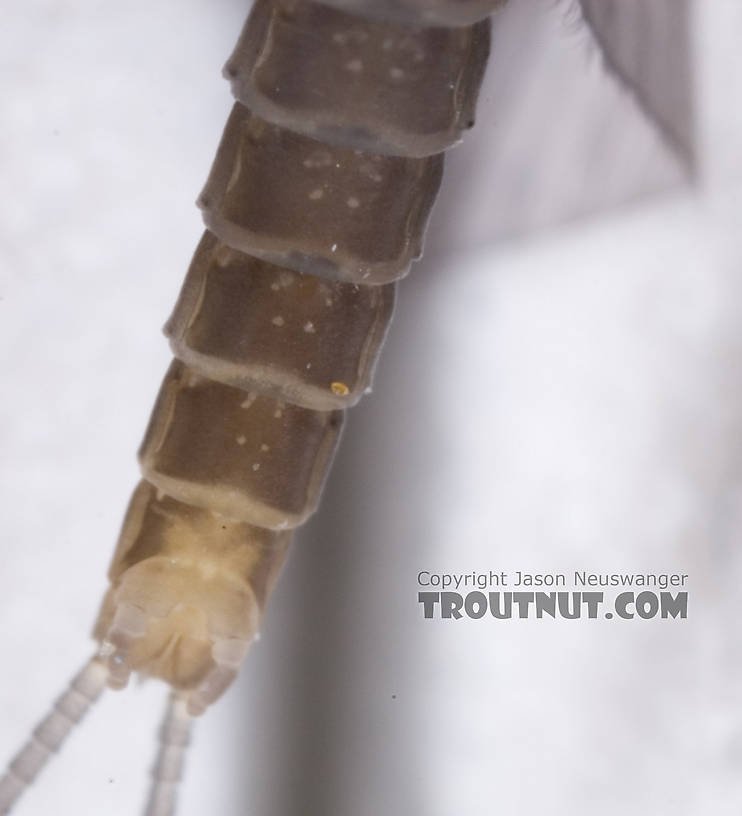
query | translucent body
[365, 83]
[316, 208]
[259, 327]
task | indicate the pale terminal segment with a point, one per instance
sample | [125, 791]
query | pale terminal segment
[188, 591]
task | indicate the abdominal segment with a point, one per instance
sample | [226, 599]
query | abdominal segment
[263, 328]
[315, 206]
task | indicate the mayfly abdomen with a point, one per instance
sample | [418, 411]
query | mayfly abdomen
[316, 204]
[291, 289]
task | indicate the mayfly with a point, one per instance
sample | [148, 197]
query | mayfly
[316, 204]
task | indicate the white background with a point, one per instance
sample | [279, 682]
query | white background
[560, 391]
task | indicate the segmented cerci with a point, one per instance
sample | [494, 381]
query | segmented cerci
[316, 204]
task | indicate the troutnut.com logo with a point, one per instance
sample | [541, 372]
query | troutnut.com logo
[632, 595]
